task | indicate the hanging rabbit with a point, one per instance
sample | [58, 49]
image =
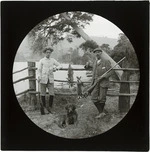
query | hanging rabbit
[79, 87]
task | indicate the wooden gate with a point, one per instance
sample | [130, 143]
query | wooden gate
[123, 93]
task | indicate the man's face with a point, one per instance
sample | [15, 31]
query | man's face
[98, 54]
[48, 53]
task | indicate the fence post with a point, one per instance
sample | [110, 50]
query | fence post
[124, 101]
[32, 83]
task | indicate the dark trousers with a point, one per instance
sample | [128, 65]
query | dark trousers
[99, 106]
[43, 104]
[51, 98]
[98, 97]
[50, 103]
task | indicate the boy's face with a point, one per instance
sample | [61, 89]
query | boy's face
[48, 53]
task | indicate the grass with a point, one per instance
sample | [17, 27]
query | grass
[87, 125]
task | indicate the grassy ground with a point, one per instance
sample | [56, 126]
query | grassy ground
[87, 125]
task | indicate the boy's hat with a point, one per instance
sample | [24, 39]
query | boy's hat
[48, 48]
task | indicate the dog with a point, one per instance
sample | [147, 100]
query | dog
[69, 118]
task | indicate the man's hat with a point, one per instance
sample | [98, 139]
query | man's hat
[97, 50]
[48, 48]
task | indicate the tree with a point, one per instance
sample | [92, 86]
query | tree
[58, 28]
[87, 57]
[38, 44]
[124, 48]
[75, 58]
[89, 45]
[71, 22]
[106, 48]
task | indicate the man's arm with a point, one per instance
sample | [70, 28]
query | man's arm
[57, 64]
[88, 65]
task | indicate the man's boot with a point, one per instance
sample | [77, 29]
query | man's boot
[42, 110]
[43, 106]
[43, 101]
[51, 98]
[100, 108]
[50, 103]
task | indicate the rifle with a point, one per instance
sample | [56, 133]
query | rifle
[101, 77]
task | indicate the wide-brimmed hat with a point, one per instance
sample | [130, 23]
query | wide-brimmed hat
[97, 50]
[48, 48]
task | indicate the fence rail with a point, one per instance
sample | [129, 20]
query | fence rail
[63, 69]
[110, 93]
[32, 68]
[71, 81]
[75, 94]
[26, 91]
[20, 70]
[22, 79]
[123, 93]
[124, 81]
[74, 69]
[127, 69]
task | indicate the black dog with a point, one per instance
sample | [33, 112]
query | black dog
[70, 118]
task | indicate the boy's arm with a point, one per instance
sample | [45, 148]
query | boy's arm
[57, 64]
[39, 70]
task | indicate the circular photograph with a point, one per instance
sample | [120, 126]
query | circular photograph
[76, 75]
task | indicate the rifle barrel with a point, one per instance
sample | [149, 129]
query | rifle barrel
[93, 86]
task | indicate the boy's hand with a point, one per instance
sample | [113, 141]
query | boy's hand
[54, 69]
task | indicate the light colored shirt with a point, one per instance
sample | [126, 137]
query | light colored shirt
[45, 69]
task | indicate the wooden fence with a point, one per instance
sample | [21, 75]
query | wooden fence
[123, 94]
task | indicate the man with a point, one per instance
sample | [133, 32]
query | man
[98, 95]
[47, 66]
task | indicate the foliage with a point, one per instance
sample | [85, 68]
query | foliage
[89, 45]
[57, 28]
[38, 44]
[74, 57]
[106, 48]
[65, 58]
[87, 57]
[124, 48]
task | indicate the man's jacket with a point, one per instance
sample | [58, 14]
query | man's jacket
[45, 69]
[99, 69]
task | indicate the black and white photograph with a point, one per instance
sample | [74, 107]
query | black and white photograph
[76, 75]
